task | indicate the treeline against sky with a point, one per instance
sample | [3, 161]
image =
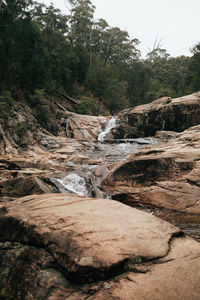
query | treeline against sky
[42, 49]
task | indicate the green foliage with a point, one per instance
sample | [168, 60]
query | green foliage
[81, 22]
[21, 130]
[41, 113]
[169, 76]
[41, 106]
[138, 75]
[84, 108]
[6, 105]
[37, 98]
[43, 51]
[195, 68]
[91, 105]
[6, 97]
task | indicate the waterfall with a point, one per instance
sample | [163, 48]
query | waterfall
[110, 125]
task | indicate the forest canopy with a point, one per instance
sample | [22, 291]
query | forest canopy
[42, 49]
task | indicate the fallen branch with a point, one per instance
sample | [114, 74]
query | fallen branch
[68, 97]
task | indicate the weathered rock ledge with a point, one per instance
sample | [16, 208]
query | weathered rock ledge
[71, 247]
[162, 114]
[161, 176]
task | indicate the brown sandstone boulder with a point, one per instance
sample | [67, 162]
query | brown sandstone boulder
[162, 114]
[72, 247]
[84, 127]
[22, 186]
[161, 176]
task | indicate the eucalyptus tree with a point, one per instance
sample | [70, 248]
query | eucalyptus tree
[81, 22]
[18, 38]
[52, 23]
[195, 68]
[99, 36]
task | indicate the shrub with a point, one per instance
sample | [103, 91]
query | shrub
[6, 104]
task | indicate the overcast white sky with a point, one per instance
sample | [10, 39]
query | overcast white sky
[175, 22]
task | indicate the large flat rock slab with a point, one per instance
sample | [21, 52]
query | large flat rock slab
[80, 248]
[83, 228]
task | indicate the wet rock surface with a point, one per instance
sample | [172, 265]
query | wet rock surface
[67, 246]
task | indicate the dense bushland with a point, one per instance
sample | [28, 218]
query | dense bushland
[43, 50]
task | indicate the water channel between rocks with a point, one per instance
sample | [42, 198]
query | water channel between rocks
[82, 180]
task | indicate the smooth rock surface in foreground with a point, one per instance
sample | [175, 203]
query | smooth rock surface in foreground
[72, 247]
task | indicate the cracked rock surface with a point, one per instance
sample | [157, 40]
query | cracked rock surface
[55, 246]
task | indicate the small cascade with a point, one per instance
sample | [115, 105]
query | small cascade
[106, 151]
[116, 150]
[74, 183]
[128, 147]
[110, 125]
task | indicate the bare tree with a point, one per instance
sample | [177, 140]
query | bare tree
[66, 6]
[157, 44]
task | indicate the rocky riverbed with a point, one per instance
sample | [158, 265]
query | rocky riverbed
[63, 232]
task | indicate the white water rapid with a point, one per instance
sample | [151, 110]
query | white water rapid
[74, 184]
[110, 125]
[107, 150]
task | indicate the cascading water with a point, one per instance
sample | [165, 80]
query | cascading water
[74, 183]
[110, 125]
[113, 151]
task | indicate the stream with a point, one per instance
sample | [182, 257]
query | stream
[82, 180]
